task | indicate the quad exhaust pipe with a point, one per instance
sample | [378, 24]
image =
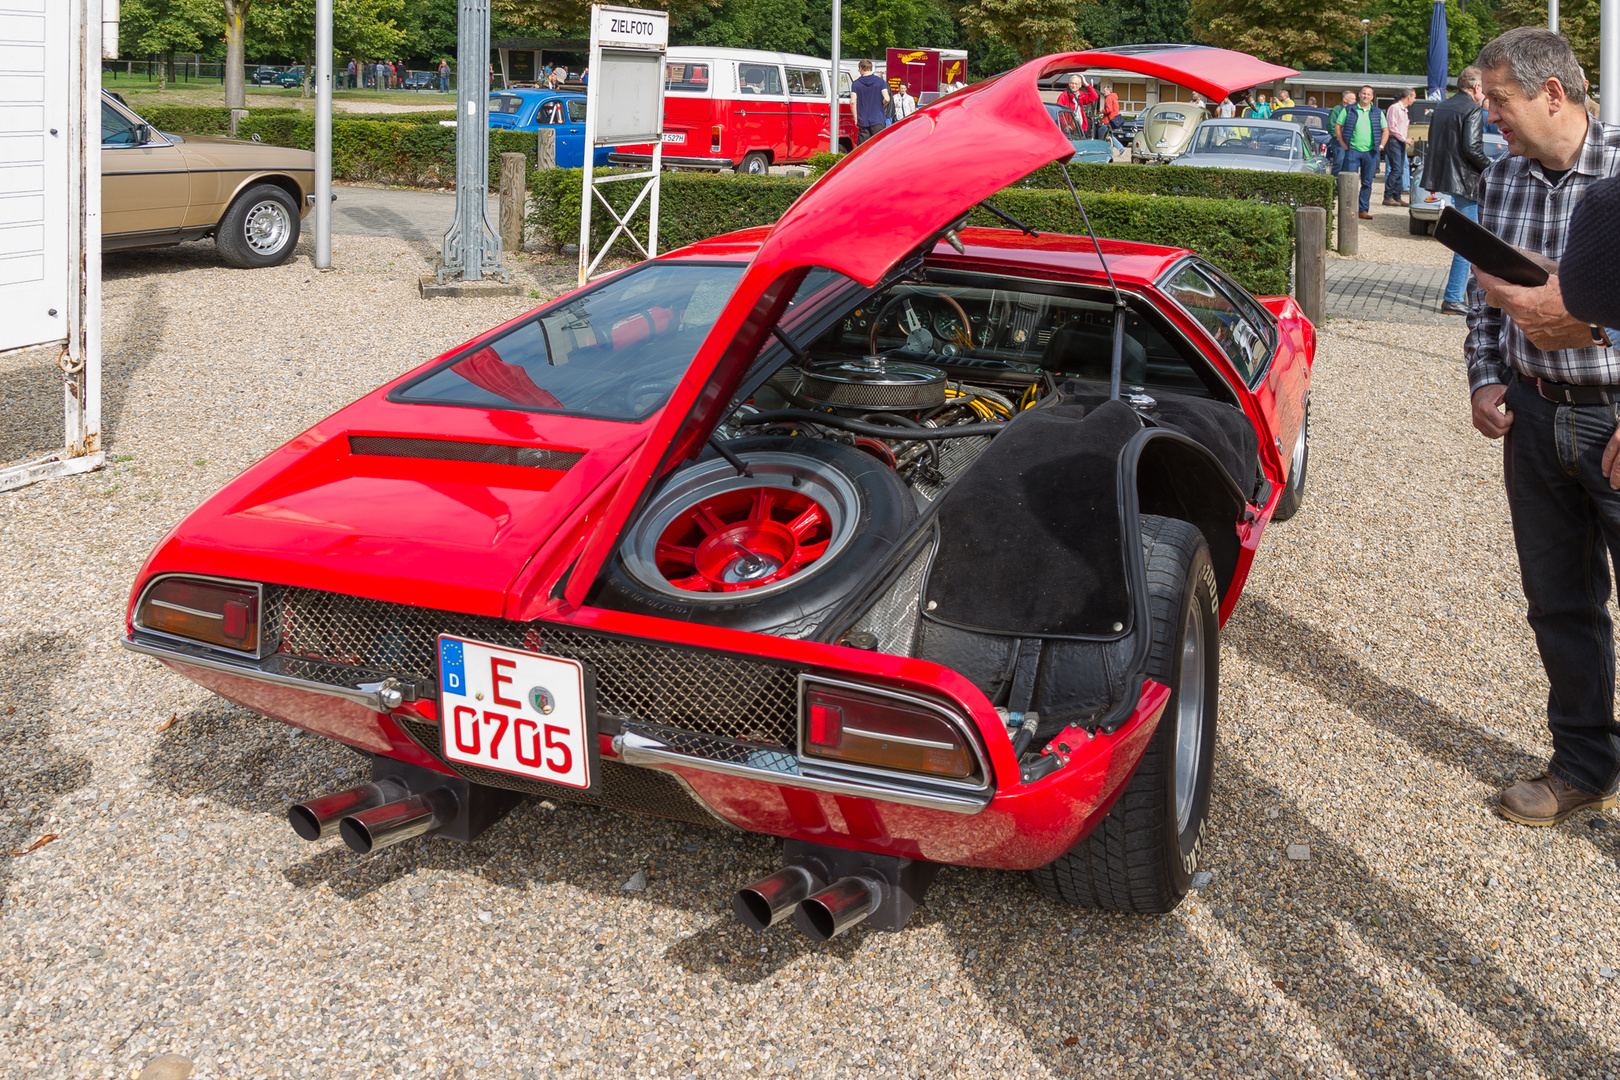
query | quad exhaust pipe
[400, 803]
[830, 891]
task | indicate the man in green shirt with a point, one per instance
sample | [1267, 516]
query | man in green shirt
[1362, 137]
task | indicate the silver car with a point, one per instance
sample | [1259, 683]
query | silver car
[1268, 145]
[1426, 204]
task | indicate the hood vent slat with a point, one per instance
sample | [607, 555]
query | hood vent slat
[533, 457]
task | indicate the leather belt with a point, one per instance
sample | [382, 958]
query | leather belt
[1570, 394]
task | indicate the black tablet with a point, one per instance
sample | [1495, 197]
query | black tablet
[1486, 250]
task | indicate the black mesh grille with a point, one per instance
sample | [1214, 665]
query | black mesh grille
[621, 787]
[874, 395]
[444, 449]
[691, 689]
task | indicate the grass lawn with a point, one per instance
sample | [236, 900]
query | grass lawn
[138, 91]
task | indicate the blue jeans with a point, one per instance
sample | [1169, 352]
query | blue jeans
[1366, 163]
[1395, 169]
[1565, 519]
[444, 84]
[1458, 281]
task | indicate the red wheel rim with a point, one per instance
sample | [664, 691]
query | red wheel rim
[743, 539]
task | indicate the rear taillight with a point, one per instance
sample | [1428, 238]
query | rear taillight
[879, 729]
[714, 138]
[211, 612]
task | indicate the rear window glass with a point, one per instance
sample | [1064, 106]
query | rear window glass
[1236, 332]
[505, 104]
[691, 78]
[614, 353]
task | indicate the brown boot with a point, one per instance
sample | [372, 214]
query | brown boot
[1546, 800]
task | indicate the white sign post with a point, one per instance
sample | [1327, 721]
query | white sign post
[624, 105]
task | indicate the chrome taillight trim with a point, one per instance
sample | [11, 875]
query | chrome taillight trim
[269, 636]
[377, 691]
[824, 767]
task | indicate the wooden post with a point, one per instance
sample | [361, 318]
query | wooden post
[546, 155]
[1310, 262]
[513, 170]
[1349, 196]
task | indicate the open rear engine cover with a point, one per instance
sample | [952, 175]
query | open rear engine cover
[873, 384]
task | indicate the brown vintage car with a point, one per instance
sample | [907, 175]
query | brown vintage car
[158, 189]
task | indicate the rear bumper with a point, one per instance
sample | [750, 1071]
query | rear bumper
[715, 164]
[1012, 826]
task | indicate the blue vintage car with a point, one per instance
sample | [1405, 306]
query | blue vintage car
[530, 110]
[1085, 149]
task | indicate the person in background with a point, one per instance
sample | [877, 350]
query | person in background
[1336, 119]
[1363, 135]
[901, 103]
[871, 95]
[1590, 286]
[1455, 158]
[1259, 109]
[1110, 107]
[1077, 99]
[444, 76]
[1228, 108]
[1396, 169]
[1548, 383]
[351, 74]
[1310, 102]
[1284, 100]
[585, 76]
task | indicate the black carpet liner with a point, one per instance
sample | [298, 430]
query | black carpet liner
[1030, 535]
[1224, 430]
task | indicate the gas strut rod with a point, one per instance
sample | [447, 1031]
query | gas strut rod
[1008, 218]
[731, 457]
[1118, 362]
[792, 346]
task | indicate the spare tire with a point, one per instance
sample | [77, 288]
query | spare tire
[770, 552]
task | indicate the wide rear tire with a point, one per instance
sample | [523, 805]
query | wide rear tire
[1141, 858]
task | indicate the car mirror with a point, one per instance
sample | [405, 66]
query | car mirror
[140, 134]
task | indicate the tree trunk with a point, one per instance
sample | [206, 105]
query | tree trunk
[236, 12]
[163, 73]
[309, 71]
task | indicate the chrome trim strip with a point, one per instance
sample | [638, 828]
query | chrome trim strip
[373, 695]
[880, 736]
[637, 748]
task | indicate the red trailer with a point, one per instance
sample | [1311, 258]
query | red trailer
[926, 71]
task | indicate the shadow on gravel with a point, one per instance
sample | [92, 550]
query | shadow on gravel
[34, 771]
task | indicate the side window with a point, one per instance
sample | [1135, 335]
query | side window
[1234, 330]
[805, 82]
[551, 112]
[843, 84]
[764, 79]
[576, 111]
[115, 130]
[686, 78]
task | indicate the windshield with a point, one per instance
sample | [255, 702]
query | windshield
[1310, 120]
[1252, 140]
[613, 353]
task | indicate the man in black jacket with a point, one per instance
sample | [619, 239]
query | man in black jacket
[1452, 164]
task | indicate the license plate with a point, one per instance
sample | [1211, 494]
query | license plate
[517, 712]
[675, 137]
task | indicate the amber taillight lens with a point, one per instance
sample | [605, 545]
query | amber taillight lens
[211, 612]
[848, 725]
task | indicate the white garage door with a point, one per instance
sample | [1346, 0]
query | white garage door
[34, 144]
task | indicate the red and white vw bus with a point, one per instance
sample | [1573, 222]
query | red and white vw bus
[745, 109]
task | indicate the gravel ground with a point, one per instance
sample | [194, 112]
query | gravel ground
[1387, 237]
[1378, 685]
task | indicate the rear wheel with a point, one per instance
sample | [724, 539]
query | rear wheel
[754, 163]
[1142, 856]
[1417, 226]
[260, 228]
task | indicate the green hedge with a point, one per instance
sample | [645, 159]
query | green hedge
[363, 148]
[1251, 240]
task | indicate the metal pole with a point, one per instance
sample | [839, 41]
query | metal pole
[323, 134]
[837, 25]
[1609, 61]
[470, 247]
[1552, 15]
[587, 193]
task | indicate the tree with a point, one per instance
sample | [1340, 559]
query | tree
[1577, 20]
[751, 24]
[366, 28]
[1403, 44]
[236, 14]
[1299, 33]
[1104, 26]
[872, 26]
[1030, 27]
[575, 15]
[167, 27]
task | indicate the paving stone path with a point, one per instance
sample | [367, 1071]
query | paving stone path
[1387, 292]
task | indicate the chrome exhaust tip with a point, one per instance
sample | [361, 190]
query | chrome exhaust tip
[317, 819]
[395, 822]
[773, 899]
[839, 907]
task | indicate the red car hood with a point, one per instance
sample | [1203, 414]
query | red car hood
[1212, 72]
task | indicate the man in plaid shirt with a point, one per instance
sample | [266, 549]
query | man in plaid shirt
[1550, 384]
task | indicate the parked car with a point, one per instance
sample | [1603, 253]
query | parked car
[1085, 149]
[1267, 145]
[1314, 121]
[159, 189]
[846, 543]
[421, 80]
[293, 76]
[530, 110]
[1426, 204]
[264, 75]
[1126, 128]
[1166, 130]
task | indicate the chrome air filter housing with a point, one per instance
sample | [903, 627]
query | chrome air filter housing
[873, 384]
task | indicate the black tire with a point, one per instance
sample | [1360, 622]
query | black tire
[754, 163]
[1141, 857]
[879, 512]
[260, 228]
[1417, 226]
[1293, 494]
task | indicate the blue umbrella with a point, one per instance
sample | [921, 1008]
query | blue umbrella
[1439, 54]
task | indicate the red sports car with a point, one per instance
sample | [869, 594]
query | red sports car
[907, 542]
